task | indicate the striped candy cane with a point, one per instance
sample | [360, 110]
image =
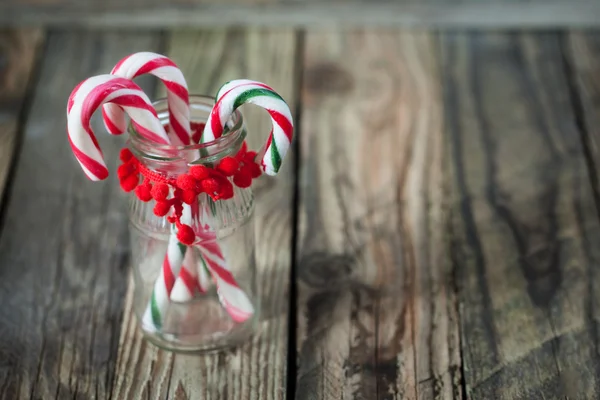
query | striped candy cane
[177, 93]
[241, 92]
[86, 98]
[165, 69]
[191, 277]
[231, 296]
[159, 300]
[187, 281]
[211, 259]
[203, 275]
[227, 86]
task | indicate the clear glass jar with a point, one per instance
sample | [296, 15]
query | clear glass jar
[207, 317]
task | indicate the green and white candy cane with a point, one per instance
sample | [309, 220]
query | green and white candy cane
[227, 86]
[238, 92]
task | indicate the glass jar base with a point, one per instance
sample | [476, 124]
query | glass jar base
[203, 327]
[196, 345]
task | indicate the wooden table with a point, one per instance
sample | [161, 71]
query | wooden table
[434, 233]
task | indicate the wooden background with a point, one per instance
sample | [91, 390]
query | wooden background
[133, 14]
[433, 234]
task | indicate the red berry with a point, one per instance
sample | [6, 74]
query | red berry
[129, 183]
[242, 178]
[225, 190]
[126, 169]
[143, 192]
[244, 149]
[186, 182]
[177, 205]
[200, 172]
[250, 156]
[210, 185]
[160, 191]
[161, 208]
[254, 170]
[188, 196]
[125, 155]
[228, 166]
[185, 234]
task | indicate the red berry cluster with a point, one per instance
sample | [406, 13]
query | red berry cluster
[186, 187]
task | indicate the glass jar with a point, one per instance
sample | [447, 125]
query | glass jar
[199, 297]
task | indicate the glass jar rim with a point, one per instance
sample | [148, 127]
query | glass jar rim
[229, 137]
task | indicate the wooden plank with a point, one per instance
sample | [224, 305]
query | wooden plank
[19, 50]
[376, 309]
[64, 241]
[524, 223]
[257, 370]
[403, 13]
[583, 59]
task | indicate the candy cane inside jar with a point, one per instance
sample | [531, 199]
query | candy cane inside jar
[220, 178]
[179, 316]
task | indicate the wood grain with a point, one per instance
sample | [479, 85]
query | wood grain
[314, 13]
[19, 50]
[64, 241]
[524, 223]
[376, 310]
[257, 370]
[582, 57]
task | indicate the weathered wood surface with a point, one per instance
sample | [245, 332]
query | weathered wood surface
[582, 55]
[445, 210]
[218, 13]
[377, 318]
[19, 50]
[63, 242]
[524, 228]
[257, 370]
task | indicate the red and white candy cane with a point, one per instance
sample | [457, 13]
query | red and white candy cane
[187, 281]
[192, 275]
[211, 259]
[238, 92]
[87, 97]
[158, 305]
[167, 71]
[231, 295]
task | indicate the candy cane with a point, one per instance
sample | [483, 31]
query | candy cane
[216, 126]
[159, 299]
[177, 92]
[232, 297]
[211, 259]
[242, 92]
[86, 98]
[192, 276]
[203, 276]
[227, 86]
[187, 281]
[165, 69]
